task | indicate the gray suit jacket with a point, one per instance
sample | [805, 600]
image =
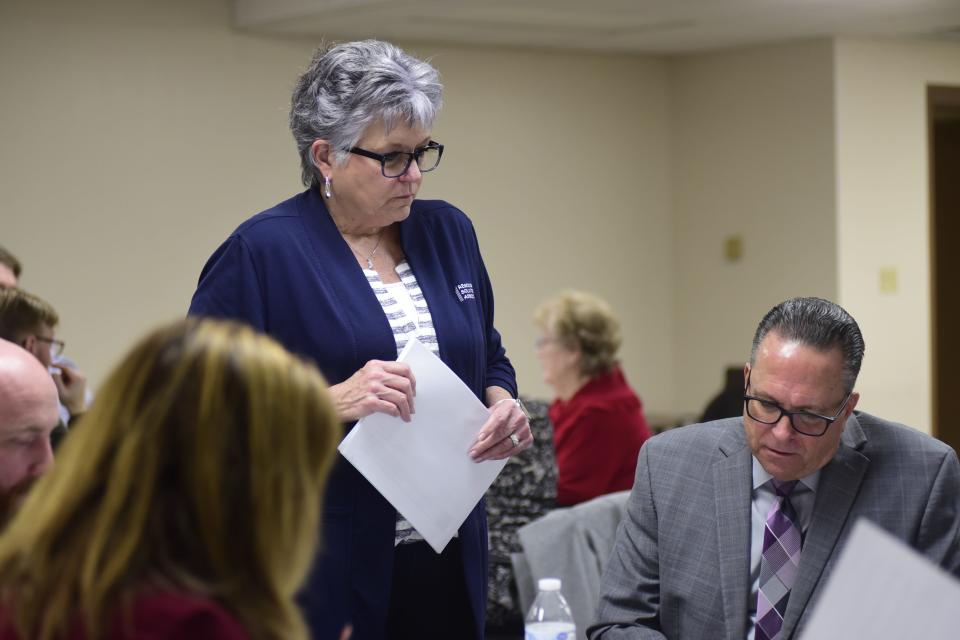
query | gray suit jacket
[680, 565]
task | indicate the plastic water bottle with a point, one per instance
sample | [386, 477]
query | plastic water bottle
[549, 617]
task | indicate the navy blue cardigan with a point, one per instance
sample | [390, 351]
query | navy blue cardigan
[288, 272]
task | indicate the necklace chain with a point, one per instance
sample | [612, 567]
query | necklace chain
[368, 258]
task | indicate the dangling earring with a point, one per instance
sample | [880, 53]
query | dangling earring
[326, 186]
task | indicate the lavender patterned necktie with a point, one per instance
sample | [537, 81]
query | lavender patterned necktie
[778, 564]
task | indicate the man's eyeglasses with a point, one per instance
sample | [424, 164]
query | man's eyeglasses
[397, 163]
[805, 422]
[56, 346]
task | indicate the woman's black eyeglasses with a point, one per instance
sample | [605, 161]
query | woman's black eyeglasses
[397, 163]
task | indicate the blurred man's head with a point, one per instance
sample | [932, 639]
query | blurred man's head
[9, 269]
[29, 321]
[28, 414]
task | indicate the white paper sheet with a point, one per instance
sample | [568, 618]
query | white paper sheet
[423, 467]
[883, 590]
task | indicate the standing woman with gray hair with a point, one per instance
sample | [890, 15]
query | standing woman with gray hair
[346, 273]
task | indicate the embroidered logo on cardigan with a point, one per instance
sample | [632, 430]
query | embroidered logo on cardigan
[464, 291]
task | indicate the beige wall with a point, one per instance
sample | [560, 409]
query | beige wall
[883, 213]
[136, 135]
[562, 160]
[753, 157]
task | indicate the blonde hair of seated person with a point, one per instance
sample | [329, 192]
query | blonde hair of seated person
[582, 321]
[199, 469]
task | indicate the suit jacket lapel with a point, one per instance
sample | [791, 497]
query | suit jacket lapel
[732, 478]
[836, 491]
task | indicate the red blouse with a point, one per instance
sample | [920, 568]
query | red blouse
[163, 616]
[597, 435]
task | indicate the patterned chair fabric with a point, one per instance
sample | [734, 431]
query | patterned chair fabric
[525, 490]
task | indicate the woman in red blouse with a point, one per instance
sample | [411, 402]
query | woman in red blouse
[184, 504]
[598, 422]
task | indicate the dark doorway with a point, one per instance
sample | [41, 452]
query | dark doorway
[943, 108]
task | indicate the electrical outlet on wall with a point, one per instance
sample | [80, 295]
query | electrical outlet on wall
[733, 248]
[888, 280]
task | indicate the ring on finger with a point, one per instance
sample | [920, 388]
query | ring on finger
[515, 440]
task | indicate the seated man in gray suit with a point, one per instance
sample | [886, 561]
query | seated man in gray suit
[733, 526]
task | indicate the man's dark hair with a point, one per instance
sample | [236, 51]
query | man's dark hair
[11, 261]
[22, 313]
[816, 323]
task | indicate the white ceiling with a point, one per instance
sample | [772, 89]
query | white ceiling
[639, 26]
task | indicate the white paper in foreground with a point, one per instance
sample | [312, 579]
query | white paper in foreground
[883, 590]
[422, 467]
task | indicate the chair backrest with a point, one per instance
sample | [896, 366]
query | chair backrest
[572, 544]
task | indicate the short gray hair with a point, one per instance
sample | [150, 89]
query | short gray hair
[816, 323]
[349, 86]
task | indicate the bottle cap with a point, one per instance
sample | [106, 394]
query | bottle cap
[549, 584]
